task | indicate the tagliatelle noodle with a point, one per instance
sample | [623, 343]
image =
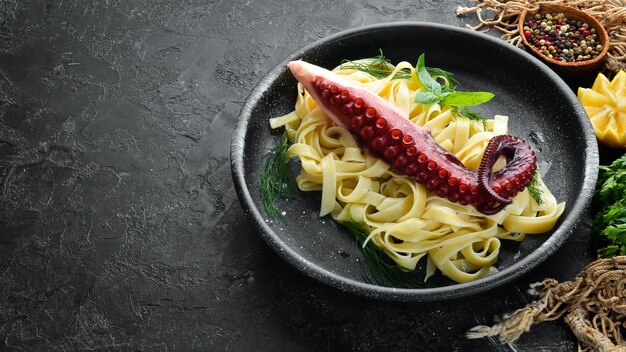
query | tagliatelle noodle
[404, 219]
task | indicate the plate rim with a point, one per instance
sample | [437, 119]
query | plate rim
[517, 269]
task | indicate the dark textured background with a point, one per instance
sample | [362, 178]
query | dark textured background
[119, 225]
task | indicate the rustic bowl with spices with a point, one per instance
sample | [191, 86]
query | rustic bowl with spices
[568, 39]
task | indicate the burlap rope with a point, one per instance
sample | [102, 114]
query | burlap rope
[610, 13]
[594, 305]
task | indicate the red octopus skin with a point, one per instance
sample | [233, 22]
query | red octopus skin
[388, 135]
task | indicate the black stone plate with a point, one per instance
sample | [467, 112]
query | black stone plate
[540, 106]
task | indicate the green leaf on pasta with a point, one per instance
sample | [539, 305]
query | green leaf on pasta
[429, 83]
[467, 98]
[426, 98]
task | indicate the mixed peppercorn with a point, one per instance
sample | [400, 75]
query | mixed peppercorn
[562, 39]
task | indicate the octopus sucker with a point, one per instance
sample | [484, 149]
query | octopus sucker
[380, 127]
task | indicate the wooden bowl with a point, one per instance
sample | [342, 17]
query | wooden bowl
[579, 67]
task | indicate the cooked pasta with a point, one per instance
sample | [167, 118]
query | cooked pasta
[402, 218]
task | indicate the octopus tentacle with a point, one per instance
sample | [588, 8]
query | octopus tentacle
[380, 127]
[515, 176]
[494, 149]
[490, 211]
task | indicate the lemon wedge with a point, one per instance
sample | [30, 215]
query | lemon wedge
[605, 104]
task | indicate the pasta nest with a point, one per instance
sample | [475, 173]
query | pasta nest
[402, 218]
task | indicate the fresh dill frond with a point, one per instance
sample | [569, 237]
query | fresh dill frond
[471, 114]
[380, 67]
[275, 180]
[435, 72]
[377, 66]
[534, 188]
[381, 270]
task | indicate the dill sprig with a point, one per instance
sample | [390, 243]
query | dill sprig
[534, 188]
[380, 67]
[471, 114]
[437, 73]
[381, 270]
[275, 180]
[377, 66]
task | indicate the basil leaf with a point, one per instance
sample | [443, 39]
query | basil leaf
[426, 98]
[437, 72]
[428, 82]
[467, 98]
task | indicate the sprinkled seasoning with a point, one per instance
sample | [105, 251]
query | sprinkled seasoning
[562, 39]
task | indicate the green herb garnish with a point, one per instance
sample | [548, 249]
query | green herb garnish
[380, 67]
[534, 188]
[435, 73]
[613, 235]
[463, 99]
[471, 114]
[609, 224]
[377, 66]
[275, 180]
[382, 270]
[435, 93]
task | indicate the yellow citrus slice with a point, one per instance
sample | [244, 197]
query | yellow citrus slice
[605, 104]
